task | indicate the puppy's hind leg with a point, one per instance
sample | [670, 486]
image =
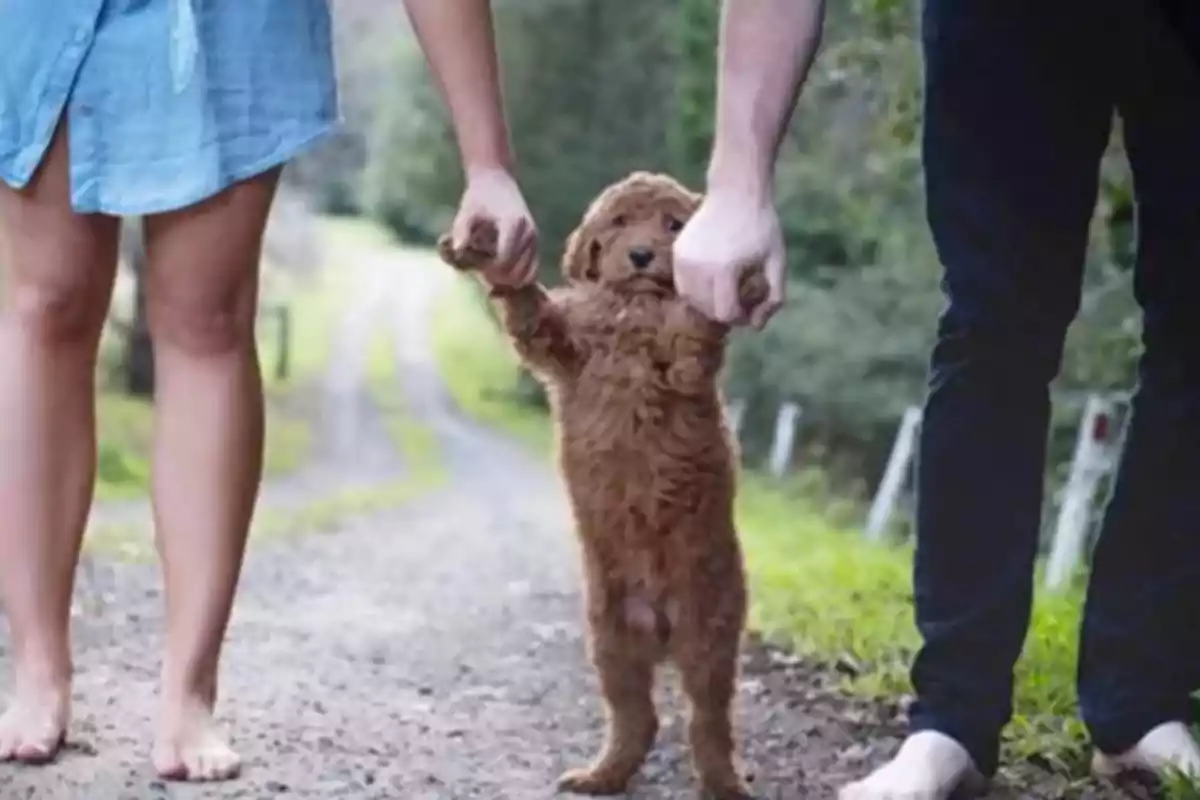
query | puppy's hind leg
[626, 671]
[707, 658]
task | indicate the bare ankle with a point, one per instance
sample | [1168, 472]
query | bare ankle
[194, 685]
[41, 673]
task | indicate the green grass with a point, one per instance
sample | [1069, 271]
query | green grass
[817, 585]
[824, 590]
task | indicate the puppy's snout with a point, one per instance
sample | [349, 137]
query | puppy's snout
[641, 257]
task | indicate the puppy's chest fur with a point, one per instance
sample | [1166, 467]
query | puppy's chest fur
[627, 379]
[626, 347]
[632, 437]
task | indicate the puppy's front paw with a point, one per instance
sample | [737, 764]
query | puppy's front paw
[479, 249]
[592, 782]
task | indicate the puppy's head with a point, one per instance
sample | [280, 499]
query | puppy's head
[625, 239]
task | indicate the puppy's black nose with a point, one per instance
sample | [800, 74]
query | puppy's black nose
[641, 257]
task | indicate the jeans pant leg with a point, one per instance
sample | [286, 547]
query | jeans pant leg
[1139, 659]
[1018, 108]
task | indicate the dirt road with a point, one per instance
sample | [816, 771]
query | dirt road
[432, 652]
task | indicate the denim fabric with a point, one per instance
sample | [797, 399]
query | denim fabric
[167, 102]
[1019, 104]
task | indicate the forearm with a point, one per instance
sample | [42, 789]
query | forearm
[766, 49]
[459, 43]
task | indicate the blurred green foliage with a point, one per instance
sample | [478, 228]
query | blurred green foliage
[595, 89]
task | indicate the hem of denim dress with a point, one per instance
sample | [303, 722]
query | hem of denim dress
[281, 155]
[9, 180]
[24, 165]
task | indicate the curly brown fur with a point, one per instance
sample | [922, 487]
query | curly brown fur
[632, 372]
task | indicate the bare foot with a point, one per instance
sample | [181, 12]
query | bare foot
[34, 727]
[1169, 748]
[929, 766]
[190, 746]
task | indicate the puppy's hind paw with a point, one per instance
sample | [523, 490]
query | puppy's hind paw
[728, 789]
[595, 782]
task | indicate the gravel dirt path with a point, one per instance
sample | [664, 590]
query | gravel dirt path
[429, 653]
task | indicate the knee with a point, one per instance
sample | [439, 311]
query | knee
[202, 320]
[202, 324]
[1009, 350]
[64, 310]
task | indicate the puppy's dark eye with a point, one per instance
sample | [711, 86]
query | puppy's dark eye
[619, 221]
[674, 225]
[595, 249]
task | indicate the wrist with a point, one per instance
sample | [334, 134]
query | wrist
[487, 162]
[741, 168]
[744, 181]
[486, 153]
[480, 170]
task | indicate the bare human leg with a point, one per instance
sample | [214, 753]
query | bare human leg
[60, 268]
[202, 294]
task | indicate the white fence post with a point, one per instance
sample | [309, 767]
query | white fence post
[894, 474]
[785, 438]
[1094, 456]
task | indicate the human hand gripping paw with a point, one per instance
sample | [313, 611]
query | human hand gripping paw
[698, 339]
[493, 231]
[475, 254]
[729, 234]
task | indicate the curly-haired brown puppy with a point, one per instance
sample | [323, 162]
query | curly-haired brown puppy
[632, 374]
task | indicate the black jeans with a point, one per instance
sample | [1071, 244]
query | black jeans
[1019, 101]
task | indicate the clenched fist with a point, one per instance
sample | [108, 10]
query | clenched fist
[493, 198]
[729, 234]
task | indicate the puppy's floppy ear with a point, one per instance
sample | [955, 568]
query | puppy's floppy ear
[580, 255]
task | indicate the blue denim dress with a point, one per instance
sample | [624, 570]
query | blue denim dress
[167, 102]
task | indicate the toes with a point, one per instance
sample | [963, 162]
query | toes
[213, 763]
[17, 744]
[38, 752]
[198, 767]
[219, 764]
[169, 764]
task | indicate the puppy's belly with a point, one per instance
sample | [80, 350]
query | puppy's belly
[646, 617]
